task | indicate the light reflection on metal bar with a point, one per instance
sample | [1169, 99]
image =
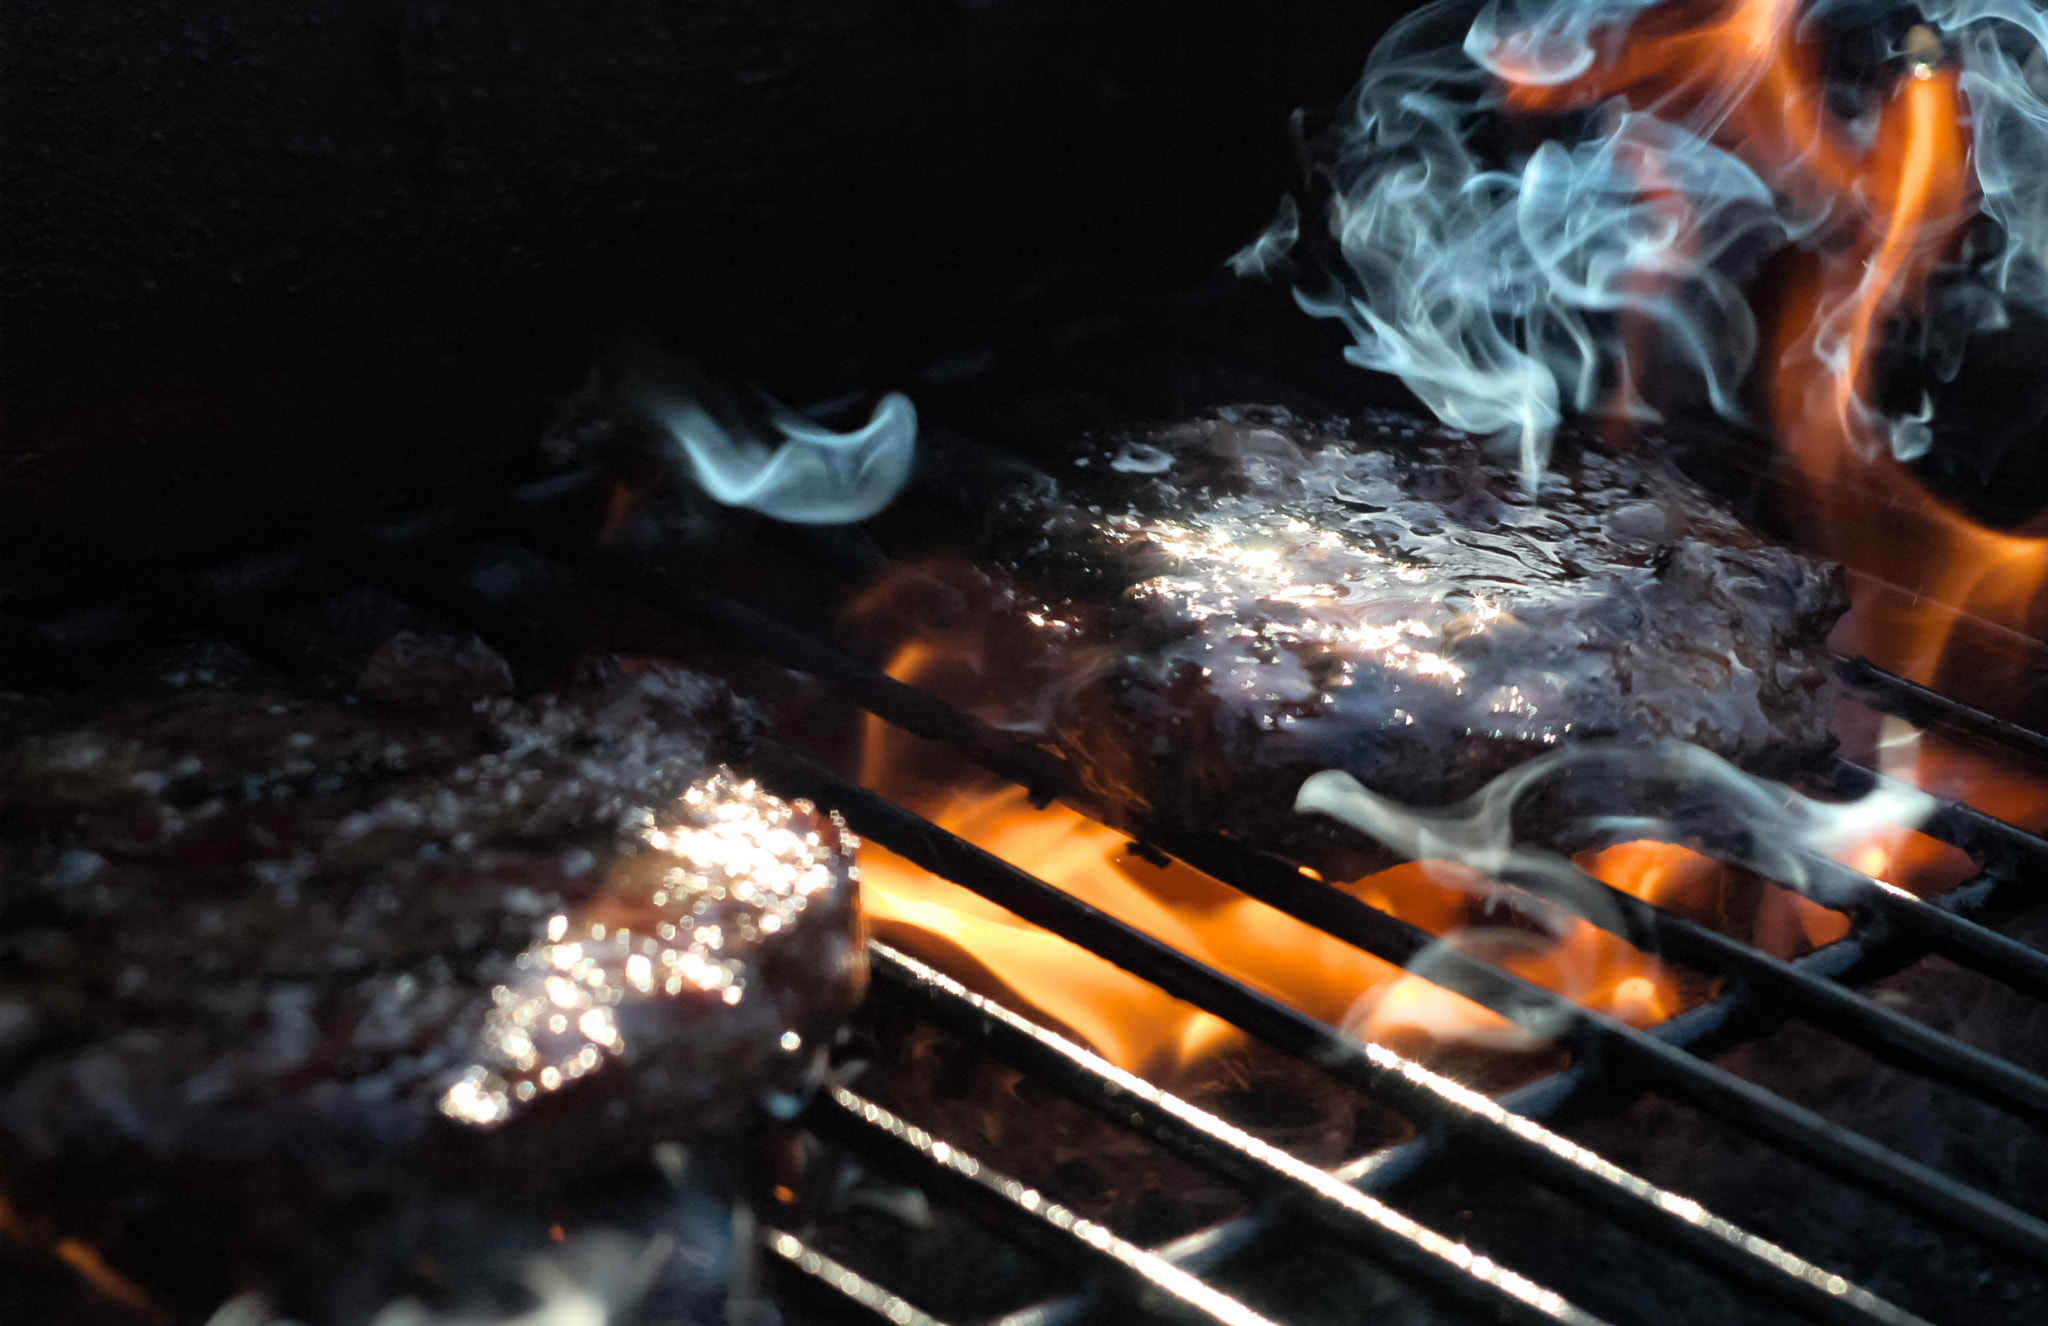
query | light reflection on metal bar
[1174, 1286]
[852, 1284]
[1412, 1088]
[1942, 924]
[1791, 988]
[1887, 692]
[1809, 985]
[1444, 1261]
[1833, 1296]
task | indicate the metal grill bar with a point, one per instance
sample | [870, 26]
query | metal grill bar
[841, 1112]
[1388, 1167]
[1326, 1198]
[1130, 1099]
[831, 1276]
[1896, 914]
[1414, 1090]
[1207, 1248]
[2006, 852]
[1654, 1059]
[1885, 1032]
[1890, 693]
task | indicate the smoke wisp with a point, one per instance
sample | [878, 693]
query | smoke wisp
[1500, 230]
[813, 476]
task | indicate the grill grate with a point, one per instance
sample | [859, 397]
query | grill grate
[1891, 930]
[1438, 1101]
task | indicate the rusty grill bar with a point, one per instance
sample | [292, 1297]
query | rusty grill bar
[1890, 930]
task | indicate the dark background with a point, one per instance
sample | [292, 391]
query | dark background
[265, 259]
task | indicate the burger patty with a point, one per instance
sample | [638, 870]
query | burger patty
[289, 979]
[1210, 612]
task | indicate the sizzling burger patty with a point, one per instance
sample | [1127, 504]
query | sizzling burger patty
[288, 980]
[1212, 611]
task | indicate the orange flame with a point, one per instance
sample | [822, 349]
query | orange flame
[1132, 1022]
[1893, 193]
[84, 1261]
[1778, 921]
[1872, 512]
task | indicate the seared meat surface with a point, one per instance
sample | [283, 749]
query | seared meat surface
[286, 979]
[1211, 612]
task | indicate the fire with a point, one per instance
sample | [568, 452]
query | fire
[1700, 888]
[1881, 196]
[1130, 1021]
[1893, 189]
[1872, 512]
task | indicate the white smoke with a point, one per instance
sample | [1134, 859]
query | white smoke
[2003, 45]
[1696, 794]
[1546, 43]
[1782, 829]
[1489, 278]
[1273, 243]
[813, 477]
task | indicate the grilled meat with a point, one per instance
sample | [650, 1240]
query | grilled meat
[287, 978]
[1210, 612]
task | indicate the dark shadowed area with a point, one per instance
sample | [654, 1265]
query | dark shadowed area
[264, 261]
